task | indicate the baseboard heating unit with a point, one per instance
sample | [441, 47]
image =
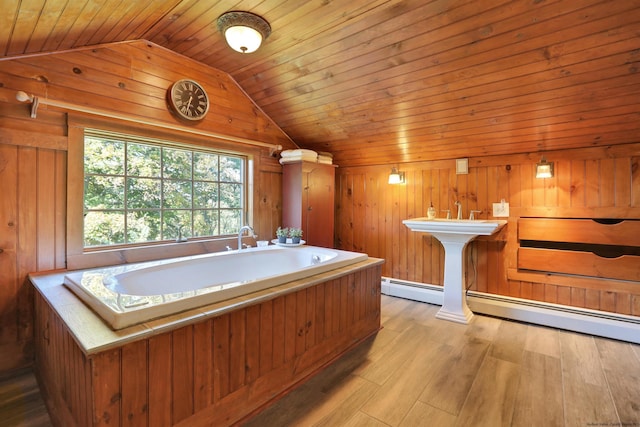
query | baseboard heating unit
[593, 322]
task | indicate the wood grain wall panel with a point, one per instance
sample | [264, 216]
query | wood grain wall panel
[623, 172]
[202, 365]
[269, 206]
[182, 381]
[45, 213]
[278, 331]
[359, 191]
[578, 184]
[265, 345]
[587, 183]
[635, 305]
[252, 363]
[134, 384]
[160, 374]
[237, 349]
[635, 181]
[221, 357]
[105, 368]
[8, 244]
[310, 327]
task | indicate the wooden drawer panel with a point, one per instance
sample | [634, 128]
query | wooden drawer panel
[626, 267]
[624, 233]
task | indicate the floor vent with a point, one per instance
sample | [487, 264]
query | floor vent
[593, 322]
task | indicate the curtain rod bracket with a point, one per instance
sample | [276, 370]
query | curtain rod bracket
[34, 107]
[24, 97]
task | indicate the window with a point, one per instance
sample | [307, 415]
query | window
[138, 191]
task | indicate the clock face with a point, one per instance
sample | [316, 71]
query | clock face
[188, 100]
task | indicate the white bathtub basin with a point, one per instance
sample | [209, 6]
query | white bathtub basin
[454, 234]
[129, 294]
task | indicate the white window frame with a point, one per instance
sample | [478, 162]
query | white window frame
[78, 257]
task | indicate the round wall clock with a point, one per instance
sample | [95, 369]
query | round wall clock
[188, 100]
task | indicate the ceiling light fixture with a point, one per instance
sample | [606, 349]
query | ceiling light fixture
[544, 169]
[396, 177]
[243, 31]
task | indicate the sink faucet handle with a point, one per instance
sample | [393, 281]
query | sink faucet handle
[448, 211]
[472, 216]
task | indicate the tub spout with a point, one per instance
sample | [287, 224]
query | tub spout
[180, 238]
[251, 234]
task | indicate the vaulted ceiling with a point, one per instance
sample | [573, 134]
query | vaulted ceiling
[392, 81]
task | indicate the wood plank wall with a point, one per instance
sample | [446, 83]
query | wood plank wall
[214, 372]
[128, 78]
[593, 182]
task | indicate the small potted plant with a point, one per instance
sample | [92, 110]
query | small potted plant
[295, 234]
[282, 234]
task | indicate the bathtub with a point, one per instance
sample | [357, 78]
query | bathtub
[126, 295]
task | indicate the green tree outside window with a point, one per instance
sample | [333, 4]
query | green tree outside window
[137, 192]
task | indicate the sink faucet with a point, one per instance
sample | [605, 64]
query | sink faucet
[245, 227]
[472, 216]
[459, 205]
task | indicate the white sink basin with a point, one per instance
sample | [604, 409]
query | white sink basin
[454, 234]
[472, 227]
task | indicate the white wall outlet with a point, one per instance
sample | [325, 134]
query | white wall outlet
[501, 209]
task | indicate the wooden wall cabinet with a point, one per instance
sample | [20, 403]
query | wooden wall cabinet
[308, 200]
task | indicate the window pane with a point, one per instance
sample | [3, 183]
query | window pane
[172, 221]
[177, 195]
[143, 160]
[205, 195]
[103, 192]
[143, 226]
[103, 228]
[230, 195]
[230, 221]
[230, 169]
[205, 166]
[138, 192]
[143, 193]
[205, 223]
[176, 163]
[103, 157]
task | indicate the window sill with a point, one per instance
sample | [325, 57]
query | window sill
[101, 258]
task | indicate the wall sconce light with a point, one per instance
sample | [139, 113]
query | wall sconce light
[544, 169]
[396, 177]
[243, 31]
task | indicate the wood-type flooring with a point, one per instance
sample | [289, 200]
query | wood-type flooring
[422, 371]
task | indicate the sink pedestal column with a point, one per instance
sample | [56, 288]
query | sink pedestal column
[454, 305]
[454, 236]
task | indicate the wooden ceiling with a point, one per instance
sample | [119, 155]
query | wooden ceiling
[393, 81]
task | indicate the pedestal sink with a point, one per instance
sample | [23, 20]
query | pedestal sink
[454, 236]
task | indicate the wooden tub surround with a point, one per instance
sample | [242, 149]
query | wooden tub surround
[214, 365]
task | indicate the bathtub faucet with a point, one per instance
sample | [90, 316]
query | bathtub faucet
[180, 238]
[251, 234]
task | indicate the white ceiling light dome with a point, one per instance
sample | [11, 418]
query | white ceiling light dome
[243, 31]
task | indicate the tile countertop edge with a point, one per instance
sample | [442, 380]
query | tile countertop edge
[94, 336]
